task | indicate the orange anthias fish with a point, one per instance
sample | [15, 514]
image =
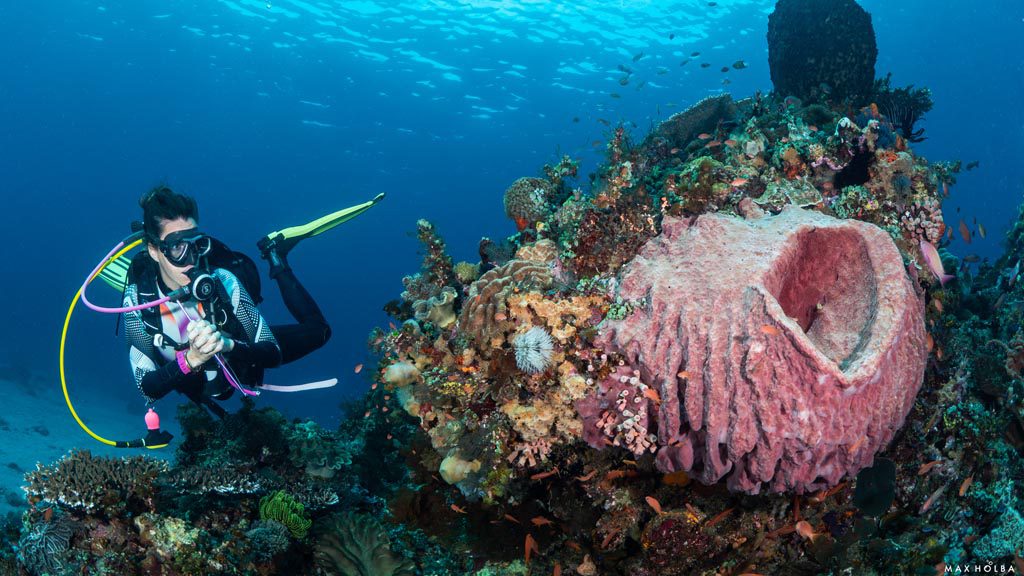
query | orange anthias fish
[456, 508]
[539, 521]
[713, 144]
[805, 530]
[359, 368]
[731, 143]
[530, 547]
[965, 232]
[770, 330]
[704, 136]
[654, 504]
[652, 395]
[738, 182]
[934, 263]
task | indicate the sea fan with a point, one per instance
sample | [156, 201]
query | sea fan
[533, 350]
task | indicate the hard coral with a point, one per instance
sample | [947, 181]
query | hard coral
[786, 351]
[485, 310]
[96, 484]
[527, 201]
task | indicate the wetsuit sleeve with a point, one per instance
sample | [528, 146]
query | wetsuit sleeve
[152, 380]
[258, 347]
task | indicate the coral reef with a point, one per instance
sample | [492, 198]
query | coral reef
[822, 50]
[282, 507]
[904, 107]
[357, 546]
[95, 484]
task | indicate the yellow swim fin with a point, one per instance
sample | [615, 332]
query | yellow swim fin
[283, 240]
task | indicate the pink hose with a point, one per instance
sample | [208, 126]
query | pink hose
[88, 280]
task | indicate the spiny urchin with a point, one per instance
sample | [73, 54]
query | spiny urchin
[533, 350]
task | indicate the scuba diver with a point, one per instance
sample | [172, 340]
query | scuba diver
[204, 347]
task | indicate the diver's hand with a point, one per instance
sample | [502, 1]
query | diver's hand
[205, 341]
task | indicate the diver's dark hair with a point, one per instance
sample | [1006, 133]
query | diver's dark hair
[161, 203]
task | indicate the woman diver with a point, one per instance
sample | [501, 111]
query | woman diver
[171, 347]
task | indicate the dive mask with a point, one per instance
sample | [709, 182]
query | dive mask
[185, 247]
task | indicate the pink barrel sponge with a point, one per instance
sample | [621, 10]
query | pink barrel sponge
[786, 350]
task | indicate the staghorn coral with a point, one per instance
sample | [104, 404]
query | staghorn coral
[93, 484]
[356, 545]
[486, 307]
[282, 507]
[219, 480]
[533, 350]
[527, 201]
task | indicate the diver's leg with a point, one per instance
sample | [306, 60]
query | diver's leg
[312, 330]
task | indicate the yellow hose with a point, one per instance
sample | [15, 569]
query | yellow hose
[63, 341]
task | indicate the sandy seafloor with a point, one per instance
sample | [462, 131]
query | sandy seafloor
[38, 427]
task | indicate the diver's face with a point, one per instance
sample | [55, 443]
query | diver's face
[173, 276]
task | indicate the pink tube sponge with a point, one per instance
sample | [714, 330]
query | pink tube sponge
[786, 350]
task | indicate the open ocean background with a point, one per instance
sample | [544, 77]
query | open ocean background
[274, 113]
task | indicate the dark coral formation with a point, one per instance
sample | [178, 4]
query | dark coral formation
[903, 107]
[822, 50]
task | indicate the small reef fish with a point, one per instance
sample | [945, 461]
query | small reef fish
[652, 395]
[739, 64]
[684, 62]
[637, 57]
[770, 330]
[731, 143]
[966, 484]
[615, 95]
[934, 263]
[705, 65]
[624, 81]
[626, 69]
[359, 368]
[683, 374]
[805, 530]
[965, 232]
[725, 68]
[928, 466]
[671, 36]
[654, 504]
[704, 136]
[539, 521]
[603, 121]
[981, 231]
[512, 518]
[713, 144]
[456, 508]
[694, 54]
[531, 548]
[972, 258]
[738, 182]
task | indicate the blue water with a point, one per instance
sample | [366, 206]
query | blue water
[274, 113]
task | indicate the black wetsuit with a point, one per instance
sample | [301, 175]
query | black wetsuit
[257, 346]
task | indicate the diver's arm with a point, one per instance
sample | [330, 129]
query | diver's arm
[259, 347]
[154, 382]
